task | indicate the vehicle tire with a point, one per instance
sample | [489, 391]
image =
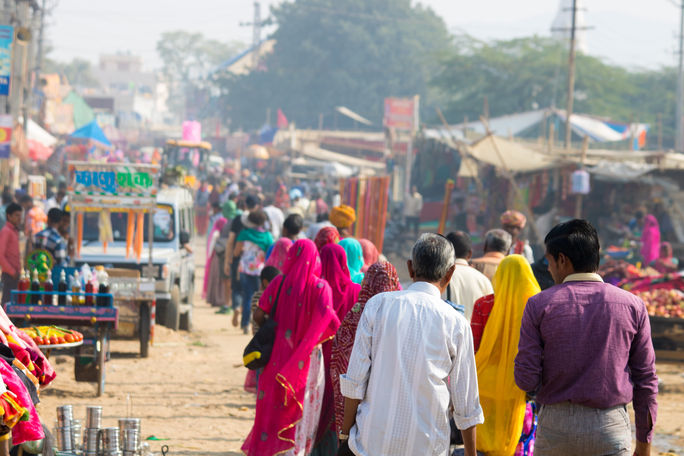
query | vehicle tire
[172, 310]
[144, 329]
[186, 318]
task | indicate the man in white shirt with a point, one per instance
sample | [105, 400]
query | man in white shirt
[275, 217]
[413, 206]
[412, 360]
[467, 285]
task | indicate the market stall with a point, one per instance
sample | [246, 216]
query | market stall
[127, 189]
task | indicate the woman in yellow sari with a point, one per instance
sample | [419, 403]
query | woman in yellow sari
[502, 401]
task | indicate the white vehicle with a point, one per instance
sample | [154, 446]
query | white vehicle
[173, 263]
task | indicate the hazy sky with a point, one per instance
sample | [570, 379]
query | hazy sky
[634, 33]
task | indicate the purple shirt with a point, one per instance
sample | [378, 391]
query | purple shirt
[589, 343]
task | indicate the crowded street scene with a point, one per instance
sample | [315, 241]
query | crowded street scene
[341, 228]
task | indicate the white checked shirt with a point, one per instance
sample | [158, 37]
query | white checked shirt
[413, 357]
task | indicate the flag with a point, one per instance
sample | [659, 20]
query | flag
[282, 120]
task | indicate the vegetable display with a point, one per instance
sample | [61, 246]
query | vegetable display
[52, 335]
[663, 303]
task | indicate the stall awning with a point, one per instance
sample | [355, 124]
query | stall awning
[313, 151]
[511, 155]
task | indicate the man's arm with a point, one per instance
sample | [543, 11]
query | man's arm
[643, 375]
[463, 388]
[528, 362]
[350, 408]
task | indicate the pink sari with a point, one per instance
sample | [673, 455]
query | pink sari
[279, 253]
[306, 319]
[650, 240]
[370, 254]
[381, 277]
[218, 226]
[327, 235]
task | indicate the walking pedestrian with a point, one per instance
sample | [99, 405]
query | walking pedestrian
[513, 222]
[354, 252]
[586, 351]
[412, 357]
[496, 246]
[413, 206]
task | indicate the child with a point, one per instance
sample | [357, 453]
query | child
[267, 275]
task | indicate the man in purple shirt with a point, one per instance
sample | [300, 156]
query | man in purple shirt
[585, 351]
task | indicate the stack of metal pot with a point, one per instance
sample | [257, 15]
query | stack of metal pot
[64, 432]
[129, 430]
[108, 442]
[93, 423]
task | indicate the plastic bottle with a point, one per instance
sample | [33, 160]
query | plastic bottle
[24, 284]
[76, 298]
[35, 289]
[89, 290]
[62, 287]
[48, 287]
[103, 288]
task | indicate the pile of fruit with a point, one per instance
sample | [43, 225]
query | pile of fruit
[663, 303]
[52, 335]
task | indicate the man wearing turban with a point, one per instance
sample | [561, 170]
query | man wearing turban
[514, 222]
[343, 217]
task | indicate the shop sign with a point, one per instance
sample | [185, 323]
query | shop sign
[401, 113]
[5, 135]
[6, 36]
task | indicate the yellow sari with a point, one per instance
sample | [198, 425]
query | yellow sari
[502, 401]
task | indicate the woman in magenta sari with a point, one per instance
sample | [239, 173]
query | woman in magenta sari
[279, 253]
[650, 240]
[344, 294]
[381, 277]
[290, 394]
[370, 254]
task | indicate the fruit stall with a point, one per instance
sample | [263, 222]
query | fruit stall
[51, 326]
[663, 295]
[131, 189]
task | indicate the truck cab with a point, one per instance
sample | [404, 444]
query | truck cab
[172, 258]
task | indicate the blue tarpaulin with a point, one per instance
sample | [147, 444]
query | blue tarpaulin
[93, 132]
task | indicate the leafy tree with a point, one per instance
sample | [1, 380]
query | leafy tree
[530, 73]
[339, 52]
[79, 72]
[187, 58]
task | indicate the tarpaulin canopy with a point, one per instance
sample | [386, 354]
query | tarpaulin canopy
[37, 133]
[313, 151]
[510, 155]
[93, 132]
[620, 171]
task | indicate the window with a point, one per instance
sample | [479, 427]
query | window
[164, 225]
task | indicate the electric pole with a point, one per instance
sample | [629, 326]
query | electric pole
[571, 75]
[679, 140]
[256, 35]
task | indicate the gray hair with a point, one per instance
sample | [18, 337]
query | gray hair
[432, 257]
[497, 241]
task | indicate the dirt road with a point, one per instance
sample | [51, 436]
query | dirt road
[190, 389]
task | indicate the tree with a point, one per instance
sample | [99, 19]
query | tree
[78, 72]
[339, 52]
[530, 73]
[187, 58]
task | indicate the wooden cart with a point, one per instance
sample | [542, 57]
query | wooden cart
[668, 338]
[97, 324]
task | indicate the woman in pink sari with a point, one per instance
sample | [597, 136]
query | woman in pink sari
[327, 235]
[370, 254]
[279, 253]
[381, 277]
[290, 394]
[650, 240]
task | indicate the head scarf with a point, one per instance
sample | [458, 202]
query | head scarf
[261, 238]
[502, 401]
[305, 318]
[665, 262]
[279, 253]
[336, 272]
[650, 239]
[370, 254]
[354, 258]
[342, 216]
[229, 210]
[513, 218]
[327, 235]
[211, 243]
[381, 277]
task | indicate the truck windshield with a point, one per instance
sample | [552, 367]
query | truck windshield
[164, 227]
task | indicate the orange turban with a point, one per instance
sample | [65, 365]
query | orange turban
[342, 216]
[513, 218]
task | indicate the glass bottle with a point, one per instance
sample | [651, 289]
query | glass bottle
[62, 287]
[48, 287]
[35, 289]
[24, 284]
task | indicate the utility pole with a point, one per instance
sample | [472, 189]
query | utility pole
[41, 35]
[256, 35]
[571, 75]
[679, 140]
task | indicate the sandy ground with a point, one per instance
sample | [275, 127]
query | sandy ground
[190, 389]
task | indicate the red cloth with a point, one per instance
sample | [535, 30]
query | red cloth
[483, 307]
[370, 254]
[306, 318]
[327, 235]
[381, 277]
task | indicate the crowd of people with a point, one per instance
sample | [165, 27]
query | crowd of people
[490, 352]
